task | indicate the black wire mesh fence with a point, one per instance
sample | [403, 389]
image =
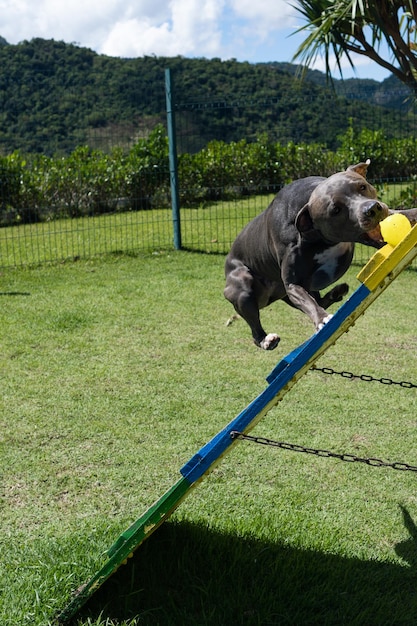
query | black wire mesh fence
[349, 131]
[227, 173]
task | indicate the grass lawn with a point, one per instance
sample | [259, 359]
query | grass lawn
[115, 371]
[207, 228]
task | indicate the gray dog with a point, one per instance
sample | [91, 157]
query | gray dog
[302, 243]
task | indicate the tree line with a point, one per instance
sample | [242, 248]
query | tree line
[56, 96]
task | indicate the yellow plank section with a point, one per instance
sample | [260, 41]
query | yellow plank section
[389, 260]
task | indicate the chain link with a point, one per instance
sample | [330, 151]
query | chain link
[364, 377]
[348, 458]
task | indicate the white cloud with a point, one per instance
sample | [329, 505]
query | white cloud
[263, 14]
[74, 21]
[189, 27]
[132, 28]
[248, 30]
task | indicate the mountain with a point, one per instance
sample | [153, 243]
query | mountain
[55, 96]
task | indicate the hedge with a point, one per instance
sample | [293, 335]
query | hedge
[89, 182]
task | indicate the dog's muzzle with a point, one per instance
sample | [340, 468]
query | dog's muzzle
[372, 213]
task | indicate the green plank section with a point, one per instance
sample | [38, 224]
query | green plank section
[127, 543]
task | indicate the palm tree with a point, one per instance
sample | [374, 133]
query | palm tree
[344, 27]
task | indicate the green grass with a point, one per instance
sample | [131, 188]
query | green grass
[393, 193]
[208, 228]
[85, 237]
[115, 371]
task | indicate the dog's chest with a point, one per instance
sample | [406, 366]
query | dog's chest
[331, 263]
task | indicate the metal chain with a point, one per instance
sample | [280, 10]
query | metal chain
[365, 377]
[349, 458]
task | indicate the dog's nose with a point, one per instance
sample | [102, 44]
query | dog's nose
[372, 209]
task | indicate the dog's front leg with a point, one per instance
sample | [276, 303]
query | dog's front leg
[296, 269]
[301, 299]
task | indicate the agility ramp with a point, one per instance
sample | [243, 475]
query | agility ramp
[383, 267]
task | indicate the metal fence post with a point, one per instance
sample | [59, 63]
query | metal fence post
[173, 163]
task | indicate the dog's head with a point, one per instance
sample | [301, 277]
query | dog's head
[343, 207]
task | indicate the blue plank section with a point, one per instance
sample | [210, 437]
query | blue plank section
[287, 360]
[281, 376]
[309, 347]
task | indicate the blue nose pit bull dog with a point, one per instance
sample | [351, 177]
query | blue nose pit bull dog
[302, 243]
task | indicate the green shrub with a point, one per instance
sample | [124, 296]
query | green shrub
[147, 171]
[90, 182]
[392, 159]
[16, 204]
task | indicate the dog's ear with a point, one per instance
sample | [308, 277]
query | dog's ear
[303, 221]
[305, 225]
[360, 168]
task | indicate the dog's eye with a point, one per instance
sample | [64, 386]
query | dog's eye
[363, 188]
[336, 209]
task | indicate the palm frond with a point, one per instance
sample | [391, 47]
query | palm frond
[338, 28]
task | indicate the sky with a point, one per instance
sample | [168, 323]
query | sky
[246, 30]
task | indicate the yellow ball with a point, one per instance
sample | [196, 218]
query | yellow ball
[394, 228]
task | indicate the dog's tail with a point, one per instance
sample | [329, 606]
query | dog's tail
[232, 319]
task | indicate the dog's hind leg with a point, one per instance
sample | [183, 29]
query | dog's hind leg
[240, 290]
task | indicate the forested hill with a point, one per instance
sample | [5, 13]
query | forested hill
[55, 96]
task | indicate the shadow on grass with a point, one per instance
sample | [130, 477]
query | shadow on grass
[407, 549]
[187, 575]
[14, 293]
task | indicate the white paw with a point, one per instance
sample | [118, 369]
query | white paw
[270, 342]
[326, 319]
